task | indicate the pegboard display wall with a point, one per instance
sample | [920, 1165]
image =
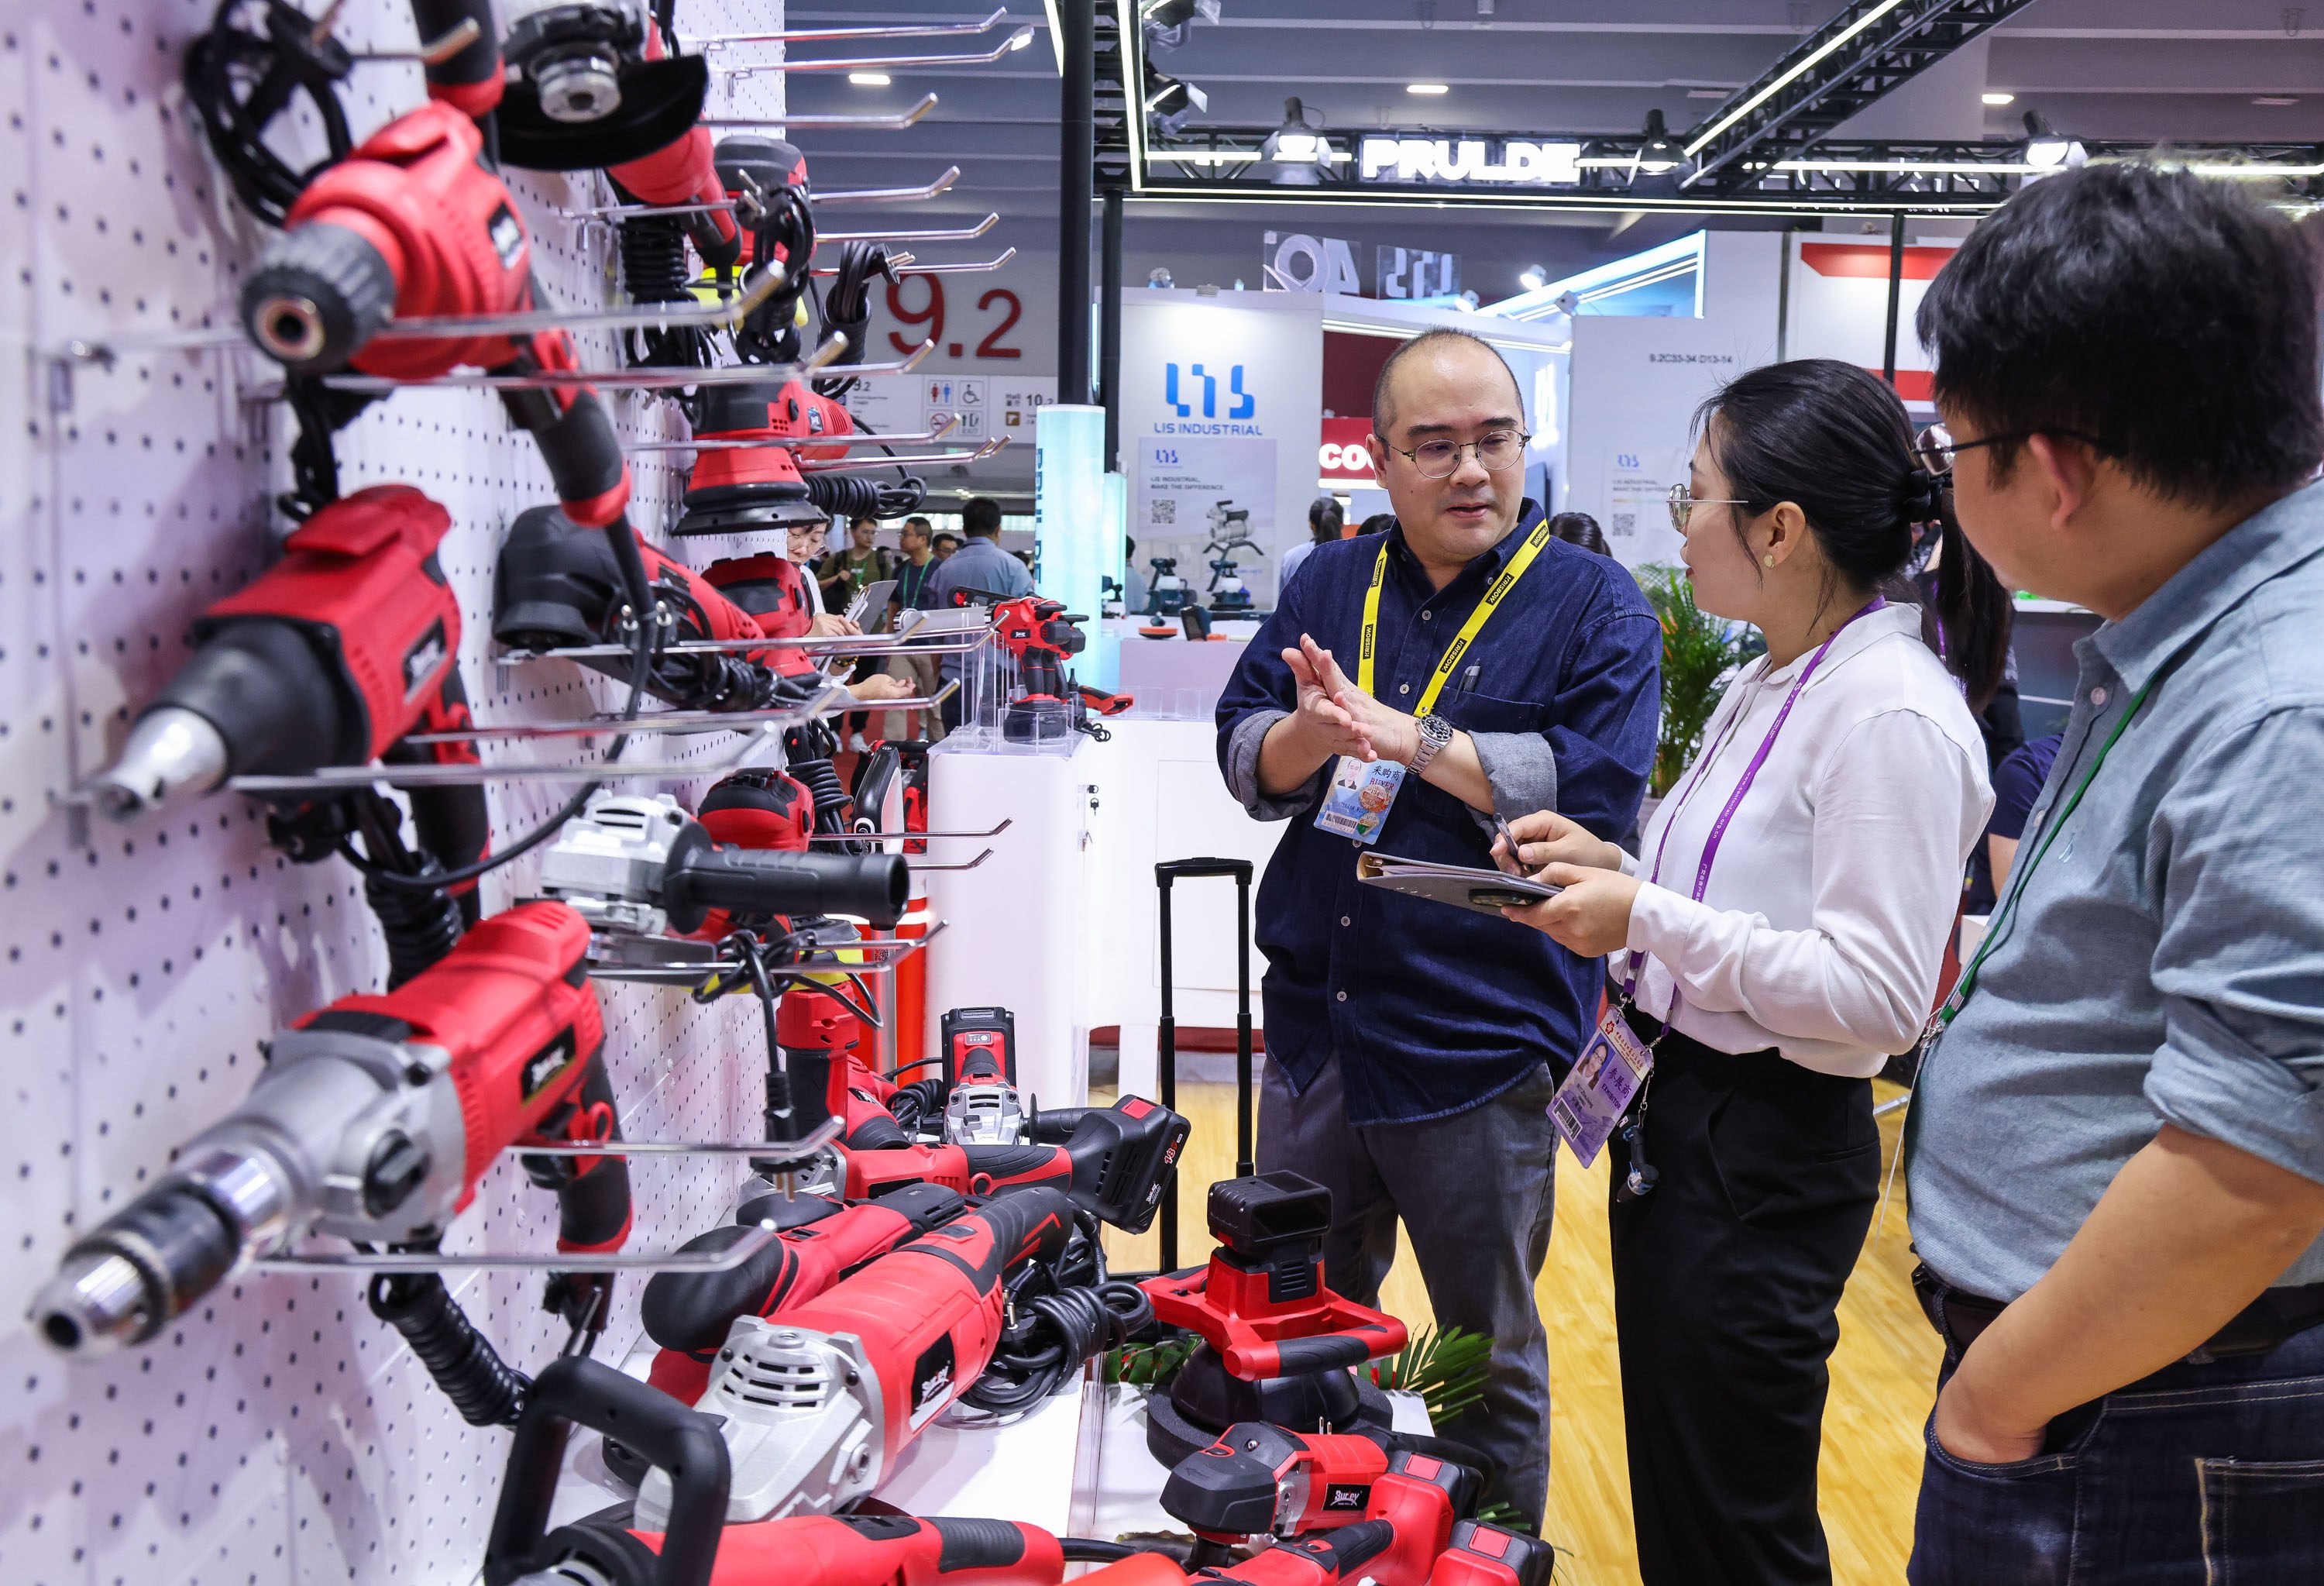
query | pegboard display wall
[276, 1433]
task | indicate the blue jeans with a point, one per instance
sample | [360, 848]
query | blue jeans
[2199, 1475]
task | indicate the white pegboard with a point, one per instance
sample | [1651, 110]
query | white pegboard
[277, 1433]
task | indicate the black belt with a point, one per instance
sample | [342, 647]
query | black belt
[2276, 1316]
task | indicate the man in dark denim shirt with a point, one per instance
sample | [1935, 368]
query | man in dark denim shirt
[1411, 1046]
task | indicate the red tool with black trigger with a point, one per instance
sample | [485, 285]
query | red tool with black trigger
[330, 657]
[1407, 1525]
[865, 1365]
[1277, 1345]
[1042, 635]
[1116, 1166]
[373, 1123]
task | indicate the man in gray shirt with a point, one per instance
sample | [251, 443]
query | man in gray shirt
[980, 564]
[2116, 1152]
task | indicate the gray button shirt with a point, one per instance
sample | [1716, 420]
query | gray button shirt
[2167, 961]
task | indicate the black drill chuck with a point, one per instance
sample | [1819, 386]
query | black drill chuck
[319, 295]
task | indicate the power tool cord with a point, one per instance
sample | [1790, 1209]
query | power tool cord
[1048, 1334]
[293, 57]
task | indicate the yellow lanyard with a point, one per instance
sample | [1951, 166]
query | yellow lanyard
[1500, 586]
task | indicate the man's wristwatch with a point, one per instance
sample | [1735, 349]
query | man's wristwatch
[1435, 733]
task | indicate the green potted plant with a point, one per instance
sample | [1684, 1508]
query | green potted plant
[1699, 652]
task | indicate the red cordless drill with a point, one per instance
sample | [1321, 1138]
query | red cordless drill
[373, 1120]
[329, 657]
[1041, 634]
[698, 1548]
[1277, 1345]
[866, 1364]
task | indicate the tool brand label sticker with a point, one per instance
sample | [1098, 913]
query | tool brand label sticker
[507, 235]
[1345, 1497]
[932, 1379]
[545, 1065]
[420, 661]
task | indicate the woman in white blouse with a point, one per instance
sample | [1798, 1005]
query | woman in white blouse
[1779, 940]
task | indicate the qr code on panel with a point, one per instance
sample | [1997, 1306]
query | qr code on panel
[1624, 523]
[1165, 509]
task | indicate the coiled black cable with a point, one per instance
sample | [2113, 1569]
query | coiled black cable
[419, 927]
[913, 1105]
[293, 57]
[846, 308]
[654, 271]
[486, 1390]
[1048, 1338]
[859, 495]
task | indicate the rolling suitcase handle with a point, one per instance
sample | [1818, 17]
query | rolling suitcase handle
[1166, 1030]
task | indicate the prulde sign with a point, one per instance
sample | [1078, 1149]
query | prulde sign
[1469, 161]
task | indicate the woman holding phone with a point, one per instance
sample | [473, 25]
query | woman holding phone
[1779, 939]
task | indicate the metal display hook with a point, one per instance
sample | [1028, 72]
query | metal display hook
[965, 638]
[797, 442]
[961, 234]
[968, 864]
[338, 778]
[710, 44]
[885, 123]
[637, 379]
[616, 212]
[988, 264]
[831, 701]
[847, 465]
[719, 1261]
[889, 952]
[1006, 822]
[1013, 42]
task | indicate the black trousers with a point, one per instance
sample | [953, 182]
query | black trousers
[1727, 1282]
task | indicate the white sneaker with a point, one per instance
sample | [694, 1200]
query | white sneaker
[855, 742]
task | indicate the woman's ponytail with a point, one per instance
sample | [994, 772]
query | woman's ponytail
[1971, 612]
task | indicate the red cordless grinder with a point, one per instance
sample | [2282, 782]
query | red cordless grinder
[373, 1120]
[1277, 1345]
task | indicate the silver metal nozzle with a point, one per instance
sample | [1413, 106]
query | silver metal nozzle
[171, 752]
[98, 1301]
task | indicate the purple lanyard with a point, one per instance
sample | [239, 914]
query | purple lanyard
[1750, 773]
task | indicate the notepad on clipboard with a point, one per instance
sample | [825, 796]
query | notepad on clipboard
[1486, 891]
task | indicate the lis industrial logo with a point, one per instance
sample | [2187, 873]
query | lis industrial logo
[1191, 386]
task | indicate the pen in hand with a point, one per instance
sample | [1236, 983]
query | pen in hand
[1502, 830]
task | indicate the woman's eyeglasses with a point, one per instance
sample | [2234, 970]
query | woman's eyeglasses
[1437, 459]
[1683, 501]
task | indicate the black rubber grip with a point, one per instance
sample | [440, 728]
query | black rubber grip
[976, 1544]
[878, 1132]
[693, 1310]
[593, 1208]
[584, 455]
[576, 1390]
[1344, 1550]
[280, 707]
[1530, 1560]
[1006, 1225]
[479, 63]
[874, 886]
[1002, 1162]
[1297, 1356]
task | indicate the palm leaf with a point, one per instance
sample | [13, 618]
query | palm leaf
[1699, 650]
[1447, 1368]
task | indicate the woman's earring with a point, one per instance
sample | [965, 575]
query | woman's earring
[1769, 558]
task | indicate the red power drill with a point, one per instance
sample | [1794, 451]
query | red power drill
[329, 657]
[557, 585]
[748, 489]
[415, 226]
[1277, 1345]
[1040, 633]
[698, 1548]
[373, 1120]
[866, 1364]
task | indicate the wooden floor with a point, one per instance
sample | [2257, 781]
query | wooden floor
[1882, 1374]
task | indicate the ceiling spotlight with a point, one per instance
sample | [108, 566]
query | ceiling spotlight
[1164, 22]
[1169, 103]
[1533, 278]
[2046, 149]
[1658, 155]
[1427, 89]
[867, 79]
[1297, 149]
[1998, 97]
[2275, 100]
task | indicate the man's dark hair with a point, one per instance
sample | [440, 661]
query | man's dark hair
[2170, 319]
[918, 523]
[1382, 418]
[981, 514]
[1377, 523]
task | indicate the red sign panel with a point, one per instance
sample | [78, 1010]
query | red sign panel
[1343, 458]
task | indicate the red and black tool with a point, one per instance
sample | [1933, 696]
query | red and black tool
[330, 657]
[980, 1046]
[1277, 1345]
[1479, 1554]
[697, 1547]
[1116, 1166]
[1407, 1525]
[1042, 636]
[557, 586]
[373, 1123]
[594, 86]
[754, 488]
[881, 1354]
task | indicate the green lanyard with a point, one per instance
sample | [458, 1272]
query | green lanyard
[2007, 919]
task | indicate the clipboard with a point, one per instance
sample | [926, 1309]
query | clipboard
[1481, 891]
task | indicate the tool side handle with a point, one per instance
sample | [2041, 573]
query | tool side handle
[470, 80]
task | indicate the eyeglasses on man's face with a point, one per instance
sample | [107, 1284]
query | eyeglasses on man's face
[1683, 501]
[1935, 448]
[1496, 450]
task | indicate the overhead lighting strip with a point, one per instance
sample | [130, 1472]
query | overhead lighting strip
[1129, 44]
[1799, 67]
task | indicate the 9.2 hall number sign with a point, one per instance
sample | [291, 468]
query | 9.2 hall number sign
[1001, 305]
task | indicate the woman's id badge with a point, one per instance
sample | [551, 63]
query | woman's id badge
[1595, 1095]
[1357, 803]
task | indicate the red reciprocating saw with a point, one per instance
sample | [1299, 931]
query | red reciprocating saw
[373, 1123]
[329, 657]
[414, 226]
[818, 1402]
[696, 1547]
